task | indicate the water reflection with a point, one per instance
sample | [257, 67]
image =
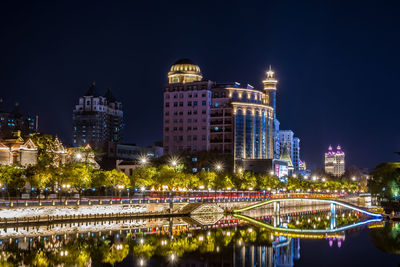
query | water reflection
[231, 241]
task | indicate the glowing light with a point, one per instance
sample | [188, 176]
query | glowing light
[78, 156]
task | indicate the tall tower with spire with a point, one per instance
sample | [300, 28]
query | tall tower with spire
[270, 83]
[270, 88]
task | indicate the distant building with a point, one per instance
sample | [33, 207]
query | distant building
[134, 152]
[334, 161]
[13, 121]
[97, 120]
[226, 118]
[286, 138]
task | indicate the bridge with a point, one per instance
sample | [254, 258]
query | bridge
[332, 202]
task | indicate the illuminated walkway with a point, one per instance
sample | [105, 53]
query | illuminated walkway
[333, 203]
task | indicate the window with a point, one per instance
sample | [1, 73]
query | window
[181, 104]
[175, 95]
[166, 121]
[175, 129]
[203, 95]
[194, 137]
[166, 138]
[175, 104]
[166, 129]
[166, 104]
[181, 95]
[203, 112]
[175, 113]
[167, 96]
[180, 138]
[180, 112]
[189, 103]
[167, 113]
[189, 112]
[194, 103]
[189, 120]
[190, 95]
[203, 103]
[189, 128]
[194, 112]
[175, 138]
[189, 138]
[203, 137]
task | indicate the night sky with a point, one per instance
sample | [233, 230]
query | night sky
[337, 63]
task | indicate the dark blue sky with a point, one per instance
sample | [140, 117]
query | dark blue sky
[337, 63]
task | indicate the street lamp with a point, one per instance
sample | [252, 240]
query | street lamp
[271, 173]
[143, 160]
[353, 178]
[78, 156]
[218, 166]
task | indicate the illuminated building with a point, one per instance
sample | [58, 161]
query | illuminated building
[12, 121]
[286, 138]
[334, 161]
[270, 83]
[17, 150]
[97, 120]
[227, 118]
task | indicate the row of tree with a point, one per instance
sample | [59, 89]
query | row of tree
[81, 176]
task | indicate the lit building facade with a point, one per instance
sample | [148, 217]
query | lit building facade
[335, 161]
[14, 120]
[97, 120]
[17, 150]
[286, 138]
[227, 118]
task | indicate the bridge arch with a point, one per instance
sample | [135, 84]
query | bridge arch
[322, 200]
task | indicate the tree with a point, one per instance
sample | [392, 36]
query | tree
[79, 175]
[116, 178]
[12, 177]
[38, 176]
[207, 179]
[46, 148]
[385, 180]
[143, 177]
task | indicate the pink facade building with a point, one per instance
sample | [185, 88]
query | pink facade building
[227, 118]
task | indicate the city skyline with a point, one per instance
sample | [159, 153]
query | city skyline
[331, 89]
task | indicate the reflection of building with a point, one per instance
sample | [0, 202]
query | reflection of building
[226, 118]
[13, 121]
[334, 161]
[97, 120]
[16, 150]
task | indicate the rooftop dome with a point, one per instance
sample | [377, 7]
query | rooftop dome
[184, 71]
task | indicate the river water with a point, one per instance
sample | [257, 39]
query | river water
[295, 238]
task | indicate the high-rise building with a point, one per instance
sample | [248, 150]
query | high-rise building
[14, 120]
[286, 138]
[97, 120]
[227, 118]
[334, 161]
